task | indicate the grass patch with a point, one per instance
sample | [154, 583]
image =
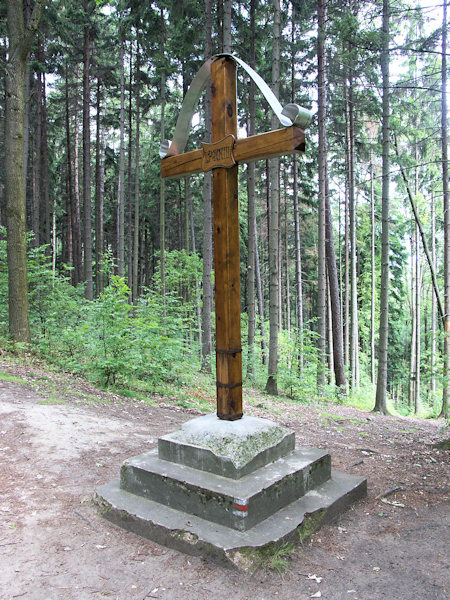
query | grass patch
[53, 400]
[12, 378]
[326, 417]
[269, 558]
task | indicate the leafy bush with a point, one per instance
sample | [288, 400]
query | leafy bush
[108, 339]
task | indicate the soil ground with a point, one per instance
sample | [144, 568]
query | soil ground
[55, 451]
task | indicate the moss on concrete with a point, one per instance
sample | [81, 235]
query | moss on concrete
[239, 449]
[310, 524]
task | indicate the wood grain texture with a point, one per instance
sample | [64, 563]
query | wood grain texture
[226, 247]
[280, 142]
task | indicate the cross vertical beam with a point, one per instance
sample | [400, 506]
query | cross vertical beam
[226, 247]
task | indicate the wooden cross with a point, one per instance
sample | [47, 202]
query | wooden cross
[223, 156]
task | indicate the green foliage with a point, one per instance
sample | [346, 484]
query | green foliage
[109, 340]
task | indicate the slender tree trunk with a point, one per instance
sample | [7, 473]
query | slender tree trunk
[372, 273]
[19, 37]
[347, 283]
[354, 343]
[251, 312]
[298, 255]
[129, 234]
[71, 249]
[227, 9]
[287, 266]
[162, 188]
[121, 182]
[190, 214]
[44, 200]
[330, 332]
[87, 157]
[433, 301]
[335, 303]
[260, 300]
[44, 170]
[187, 203]
[280, 257]
[135, 277]
[37, 163]
[298, 268]
[99, 184]
[207, 229]
[423, 237]
[77, 209]
[413, 314]
[444, 137]
[418, 331]
[26, 128]
[321, 267]
[381, 393]
[274, 176]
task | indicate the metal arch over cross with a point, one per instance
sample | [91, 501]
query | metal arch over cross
[222, 156]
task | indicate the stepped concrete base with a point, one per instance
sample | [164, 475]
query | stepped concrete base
[228, 448]
[228, 490]
[196, 536]
[239, 504]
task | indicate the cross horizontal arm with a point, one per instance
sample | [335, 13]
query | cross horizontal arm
[288, 140]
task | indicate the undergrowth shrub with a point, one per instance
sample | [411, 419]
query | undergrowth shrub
[108, 340]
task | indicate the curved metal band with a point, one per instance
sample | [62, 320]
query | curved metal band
[291, 114]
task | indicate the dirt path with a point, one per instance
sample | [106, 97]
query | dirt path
[54, 546]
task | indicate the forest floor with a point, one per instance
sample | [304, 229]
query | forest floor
[60, 438]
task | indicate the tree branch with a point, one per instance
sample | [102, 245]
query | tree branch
[422, 235]
[32, 25]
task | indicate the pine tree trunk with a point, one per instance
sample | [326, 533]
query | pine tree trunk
[99, 184]
[260, 300]
[78, 256]
[87, 158]
[251, 312]
[207, 229]
[372, 274]
[37, 163]
[162, 186]
[227, 9]
[45, 175]
[121, 182]
[129, 229]
[26, 127]
[274, 177]
[287, 267]
[19, 37]
[446, 208]
[135, 271]
[335, 303]
[321, 268]
[298, 268]
[298, 256]
[412, 359]
[418, 331]
[354, 345]
[71, 250]
[45, 222]
[433, 301]
[347, 283]
[280, 257]
[381, 393]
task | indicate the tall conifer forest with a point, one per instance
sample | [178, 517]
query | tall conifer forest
[106, 270]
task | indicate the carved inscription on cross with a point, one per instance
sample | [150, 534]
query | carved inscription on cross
[223, 156]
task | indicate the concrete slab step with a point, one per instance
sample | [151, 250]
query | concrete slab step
[196, 536]
[236, 503]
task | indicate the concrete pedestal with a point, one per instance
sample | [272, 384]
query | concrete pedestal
[224, 489]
